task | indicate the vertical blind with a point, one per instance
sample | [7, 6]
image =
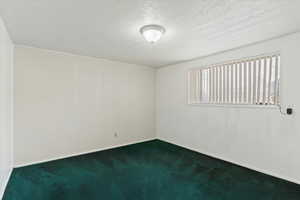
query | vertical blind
[252, 81]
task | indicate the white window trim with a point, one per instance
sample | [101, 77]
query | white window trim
[229, 105]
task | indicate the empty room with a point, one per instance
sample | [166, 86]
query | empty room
[149, 100]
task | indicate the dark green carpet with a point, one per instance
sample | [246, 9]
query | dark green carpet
[146, 171]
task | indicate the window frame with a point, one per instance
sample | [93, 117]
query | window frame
[233, 105]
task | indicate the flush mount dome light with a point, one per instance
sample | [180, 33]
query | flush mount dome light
[152, 33]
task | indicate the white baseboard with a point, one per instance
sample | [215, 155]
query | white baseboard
[82, 153]
[4, 182]
[162, 139]
[234, 162]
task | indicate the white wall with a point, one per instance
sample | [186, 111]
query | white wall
[260, 139]
[6, 106]
[67, 104]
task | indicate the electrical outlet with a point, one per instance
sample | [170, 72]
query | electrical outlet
[287, 110]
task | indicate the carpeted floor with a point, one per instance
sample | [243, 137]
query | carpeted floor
[147, 171]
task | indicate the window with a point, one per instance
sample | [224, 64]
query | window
[253, 81]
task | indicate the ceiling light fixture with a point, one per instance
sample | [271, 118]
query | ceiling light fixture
[152, 33]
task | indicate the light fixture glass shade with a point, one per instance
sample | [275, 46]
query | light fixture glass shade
[152, 33]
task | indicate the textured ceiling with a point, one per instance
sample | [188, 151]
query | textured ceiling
[110, 28]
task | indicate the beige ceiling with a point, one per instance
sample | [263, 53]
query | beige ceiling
[110, 28]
